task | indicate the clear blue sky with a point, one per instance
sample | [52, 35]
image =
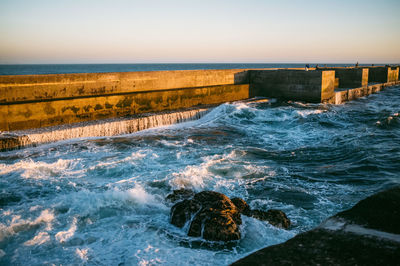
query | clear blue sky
[122, 31]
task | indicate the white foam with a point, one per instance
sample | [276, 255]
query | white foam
[37, 169]
[87, 202]
[17, 224]
[193, 176]
[39, 239]
[305, 113]
[82, 253]
[63, 236]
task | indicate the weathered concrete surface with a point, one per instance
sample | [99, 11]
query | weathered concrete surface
[342, 96]
[310, 86]
[367, 234]
[383, 74]
[350, 77]
[27, 88]
[64, 111]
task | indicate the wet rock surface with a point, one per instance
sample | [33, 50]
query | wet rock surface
[367, 234]
[180, 194]
[275, 217]
[213, 216]
[241, 205]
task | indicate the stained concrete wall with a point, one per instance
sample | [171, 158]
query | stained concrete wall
[352, 77]
[23, 88]
[383, 74]
[310, 86]
[48, 113]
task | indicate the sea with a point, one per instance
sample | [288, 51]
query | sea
[101, 201]
[30, 69]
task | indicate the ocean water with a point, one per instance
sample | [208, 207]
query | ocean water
[25, 69]
[100, 201]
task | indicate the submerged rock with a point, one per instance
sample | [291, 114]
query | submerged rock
[214, 216]
[180, 194]
[275, 217]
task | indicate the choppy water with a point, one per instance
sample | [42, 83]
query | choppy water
[101, 201]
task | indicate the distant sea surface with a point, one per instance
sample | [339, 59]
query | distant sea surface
[104, 68]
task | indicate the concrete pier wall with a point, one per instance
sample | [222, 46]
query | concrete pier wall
[35, 101]
[23, 88]
[309, 86]
[352, 77]
[32, 101]
[383, 74]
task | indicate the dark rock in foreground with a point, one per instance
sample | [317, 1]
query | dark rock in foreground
[380, 212]
[214, 216]
[367, 234]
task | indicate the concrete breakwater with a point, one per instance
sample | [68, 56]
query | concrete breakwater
[42, 101]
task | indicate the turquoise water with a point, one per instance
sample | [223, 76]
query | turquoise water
[101, 200]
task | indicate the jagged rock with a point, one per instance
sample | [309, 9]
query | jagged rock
[180, 194]
[242, 206]
[212, 215]
[275, 217]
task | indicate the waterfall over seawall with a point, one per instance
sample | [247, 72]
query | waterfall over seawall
[100, 128]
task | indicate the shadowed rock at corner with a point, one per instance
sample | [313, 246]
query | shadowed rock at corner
[212, 216]
[380, 212]
[323, 247]
[367, 234]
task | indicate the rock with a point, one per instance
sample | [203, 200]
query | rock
[180, 194]
[367, 234]
[275, 217]
[183, 211]
[242, 206]
[212, 215]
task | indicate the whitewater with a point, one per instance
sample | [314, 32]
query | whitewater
[102, 200]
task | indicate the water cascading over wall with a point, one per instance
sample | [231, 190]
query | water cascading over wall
[35, 101]
[45, 108]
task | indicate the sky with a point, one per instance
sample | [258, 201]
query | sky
[199, 31]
